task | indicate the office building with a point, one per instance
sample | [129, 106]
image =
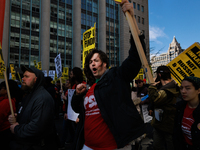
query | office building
[163, 59]
[41, 29]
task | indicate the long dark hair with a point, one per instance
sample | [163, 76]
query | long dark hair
[77, 75]
[87, 71]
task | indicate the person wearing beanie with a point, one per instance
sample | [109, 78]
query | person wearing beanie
[187, 121]
[162, 96]
[33, 125]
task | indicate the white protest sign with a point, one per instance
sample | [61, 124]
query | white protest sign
[146, 116]
[45, 72]
[52, 73]
[58, 65]
[70, 112]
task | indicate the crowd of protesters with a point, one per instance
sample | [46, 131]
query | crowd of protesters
[109, 109]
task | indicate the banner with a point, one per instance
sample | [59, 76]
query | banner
[13, 72]
[88, 42]
[186, 64]
[140, 74]
[58, 66]
[2, 12]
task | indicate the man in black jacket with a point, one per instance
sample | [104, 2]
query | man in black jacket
[35, 128]
[107, 112]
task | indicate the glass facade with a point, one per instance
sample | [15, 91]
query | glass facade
[25, 26]
[112, 32]
[61, 32]
[24, 32]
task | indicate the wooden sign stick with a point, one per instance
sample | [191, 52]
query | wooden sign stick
[135, 33]
[8, 92]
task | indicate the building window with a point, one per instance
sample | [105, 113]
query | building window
[89, 6]
[138, 19]
[83, 19]
[134, 5]
[138, 6]
[142, 20]
[142, 8]
[83, 4]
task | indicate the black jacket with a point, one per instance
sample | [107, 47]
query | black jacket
[113, 96]
[36, 116]
[179, 142]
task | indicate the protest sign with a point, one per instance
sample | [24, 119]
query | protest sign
[145, 114]
[39, 65]
[88, 42]
[58, 66]
[45, 73]
[186, 64]
[35, 64]
[52, 73]
[13, 72]
[118, 1]
[2, 66]
[70, 113]
[65, 73]
[140, 74]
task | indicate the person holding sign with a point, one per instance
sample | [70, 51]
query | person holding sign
[163, 94]
[187, 121]
[15, 93]
[35, 128]
[107, 113]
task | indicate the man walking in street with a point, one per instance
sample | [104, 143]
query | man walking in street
[35, 128]
[108, 117]
[162, 96]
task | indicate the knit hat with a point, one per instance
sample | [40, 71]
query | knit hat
[138, 81]
[196, 80]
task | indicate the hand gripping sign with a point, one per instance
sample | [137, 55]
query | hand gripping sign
[135, 33]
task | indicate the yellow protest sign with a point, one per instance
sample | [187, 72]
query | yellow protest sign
[186, 64]
[65, 73]
[13, 72]
[140, 74]
[88, 42]
[35, 64]
[119, 1]
[2, 65]
[19, 77]
[39, 66]
[55, 77]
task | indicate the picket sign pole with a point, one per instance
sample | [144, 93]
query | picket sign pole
[60, 83]
[135, 33]
[8, 92]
